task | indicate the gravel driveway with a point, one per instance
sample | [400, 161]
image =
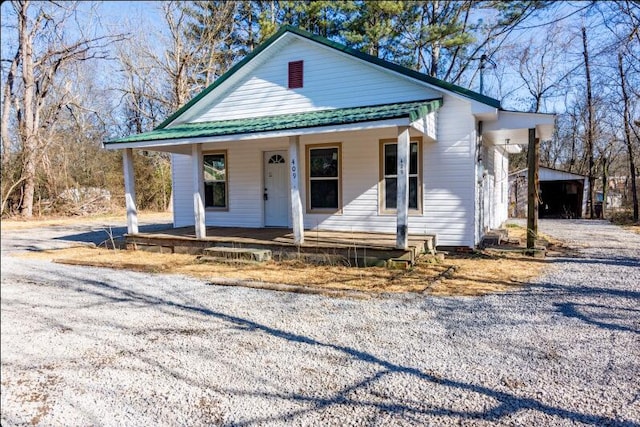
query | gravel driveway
[86, 346]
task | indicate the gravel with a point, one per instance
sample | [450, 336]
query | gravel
[87, 346]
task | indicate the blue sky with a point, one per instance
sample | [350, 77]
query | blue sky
[145, 17]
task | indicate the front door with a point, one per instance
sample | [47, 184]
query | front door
[276, 194]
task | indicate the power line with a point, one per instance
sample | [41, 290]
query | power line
[555, 20]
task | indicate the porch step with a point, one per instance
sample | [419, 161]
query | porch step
[402, 262]
[247, 254]
[494, 238]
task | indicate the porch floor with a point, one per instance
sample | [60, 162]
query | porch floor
[379, 245]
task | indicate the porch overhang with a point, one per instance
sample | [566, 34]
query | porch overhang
[178, 138]
[511, 129]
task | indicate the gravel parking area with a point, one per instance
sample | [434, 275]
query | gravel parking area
[85, 346]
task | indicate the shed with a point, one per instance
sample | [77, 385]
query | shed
[562, 194]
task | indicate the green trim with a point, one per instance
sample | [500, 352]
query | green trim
[337, 116]
[425, 109]
[342, 48]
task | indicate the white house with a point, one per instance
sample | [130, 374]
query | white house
[306, 133]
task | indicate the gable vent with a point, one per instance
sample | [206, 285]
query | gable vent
[295, 74]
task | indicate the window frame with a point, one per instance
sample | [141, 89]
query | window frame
[382, 197]
[226, 181]
[308, 178]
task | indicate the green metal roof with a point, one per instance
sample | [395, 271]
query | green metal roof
[342, 48]
[338, 116]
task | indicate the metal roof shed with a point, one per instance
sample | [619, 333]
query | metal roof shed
[562, 194]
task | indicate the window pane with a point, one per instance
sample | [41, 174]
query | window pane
[324, 194]
[323, 162]
[390, 193]
[215, 194]
[214, 167]
[390, 159]
[413, 158]
[413, 192]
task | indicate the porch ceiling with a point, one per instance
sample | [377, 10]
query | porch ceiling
[283, 122]
[511, 128]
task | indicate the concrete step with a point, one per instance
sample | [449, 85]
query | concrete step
[247, 254]
[494, 238]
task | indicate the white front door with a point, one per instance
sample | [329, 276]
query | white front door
[276, 189]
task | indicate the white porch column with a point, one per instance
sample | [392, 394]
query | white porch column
[198, 190]
[130, 191]
[402, 189]
[296, 203]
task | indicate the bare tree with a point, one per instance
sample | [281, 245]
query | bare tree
[626, 118]
[544, 66]
[590, 125]
[43, 52]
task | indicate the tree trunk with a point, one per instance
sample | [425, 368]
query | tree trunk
[605, 179]
[29, 136]
[6, 109]
[627, 136]
[592, 179]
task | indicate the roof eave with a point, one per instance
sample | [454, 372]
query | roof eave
[356, 126]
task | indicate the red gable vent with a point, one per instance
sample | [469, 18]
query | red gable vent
[295, 74]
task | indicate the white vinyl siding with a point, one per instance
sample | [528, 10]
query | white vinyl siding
[501, 165]
[331, 80]
[447, 171]
[495, 187]
[245, 185]
[449, 176]
[448, 182]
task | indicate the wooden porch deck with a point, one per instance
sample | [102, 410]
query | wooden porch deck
[377, 246]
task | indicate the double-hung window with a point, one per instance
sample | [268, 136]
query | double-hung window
[323, 178]
[215, 180]
[389, 175]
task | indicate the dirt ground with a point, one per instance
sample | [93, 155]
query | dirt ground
[474, 273]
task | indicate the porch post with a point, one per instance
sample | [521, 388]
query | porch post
[130, 191]
[198, 190]
[532, 208]
[296, 203]
[402, 189]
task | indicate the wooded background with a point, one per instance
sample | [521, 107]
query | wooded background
[72, 79]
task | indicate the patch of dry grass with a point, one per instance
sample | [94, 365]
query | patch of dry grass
[633, 228]
[481, 274]
[520, 233]
[624, 218]
[472, 274]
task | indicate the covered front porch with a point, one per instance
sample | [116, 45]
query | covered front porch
[352, 248]
[289, 138]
